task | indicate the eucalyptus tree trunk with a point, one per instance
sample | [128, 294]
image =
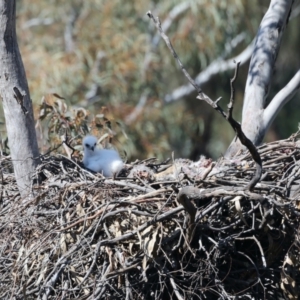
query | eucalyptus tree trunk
[17, 104]
[257, 116]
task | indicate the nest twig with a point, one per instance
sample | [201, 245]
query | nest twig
[86, 237]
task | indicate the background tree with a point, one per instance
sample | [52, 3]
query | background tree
[97, 54]
[257, 115]
[17, 105]
[127, 72]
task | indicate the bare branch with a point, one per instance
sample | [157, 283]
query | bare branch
[242, 137]
[166, 24]
[37, 22]
[95, 89]
[167, 40]
[217, 66]
[137, 110]
[74, 15]
[280, 99]
[176, 290]
[154, 40]
[201, 96]
[266, 49]
[263, 257]
[191, 210]
[14, 93]
[267, 44]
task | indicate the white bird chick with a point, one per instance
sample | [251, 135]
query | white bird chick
[106, 161]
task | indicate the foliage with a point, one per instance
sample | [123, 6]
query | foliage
[57, 123]
[110, 44]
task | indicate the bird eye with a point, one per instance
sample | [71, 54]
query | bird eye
[95, 144]
[87, 145]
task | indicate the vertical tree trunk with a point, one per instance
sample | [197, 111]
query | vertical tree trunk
[267, 45]
[18, 110]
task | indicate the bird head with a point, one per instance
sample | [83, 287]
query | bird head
[89, 144]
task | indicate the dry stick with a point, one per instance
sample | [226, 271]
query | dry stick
[228, 116]
[176, 290]
[49, 286]
[257, 272]
[191, 210]
[263, 258]
[244, 140]
[104, 208]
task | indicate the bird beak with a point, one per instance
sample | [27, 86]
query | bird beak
[92, 148]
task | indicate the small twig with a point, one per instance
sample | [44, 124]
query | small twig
[165, 37]
[190, 209]
[242, 137]
[263, 258]
[49, 285]
[53, 149]
[176, 290]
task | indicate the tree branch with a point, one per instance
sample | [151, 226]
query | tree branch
[154, 40]
[166, 24]
[267, 44]
[242, 137]
[228, 116]
[266, 49]
[280, 99]
[217, 66]
[17, 105]
[37, 22]
[168, 43]
[137, 110]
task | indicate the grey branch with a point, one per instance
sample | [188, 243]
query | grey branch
[267, 44]
[280, 99]
[214, 104]
[217, 66]
[137, 110]
[266, 49]
[37, 22]
[174, 13]
[154, 40]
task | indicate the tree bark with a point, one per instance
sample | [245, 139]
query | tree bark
[268, 40]
[17, 104]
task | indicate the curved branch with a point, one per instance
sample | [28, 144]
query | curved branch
[166, 24]
[191, 210]
[214, 104]
[174, 13]
[217, 66]
[280, 99]
[267, 46]
[138, 109]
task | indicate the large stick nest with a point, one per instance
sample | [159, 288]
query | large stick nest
[189, 232]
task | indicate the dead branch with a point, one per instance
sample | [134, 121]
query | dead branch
[201, 96]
